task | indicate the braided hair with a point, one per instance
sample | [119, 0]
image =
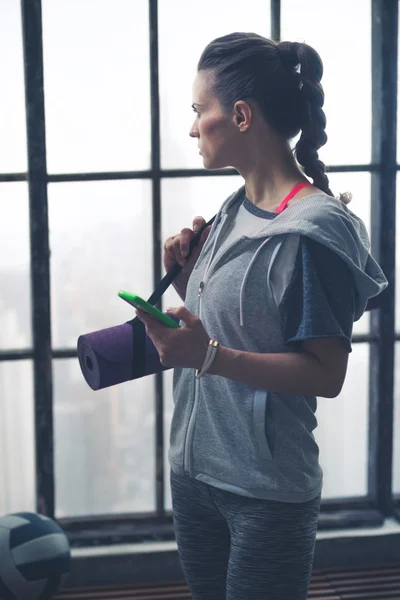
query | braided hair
[313, 120]
[284, 79]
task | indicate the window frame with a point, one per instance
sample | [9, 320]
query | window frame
[335, 513]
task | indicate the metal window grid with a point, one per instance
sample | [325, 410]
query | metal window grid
[382, 337]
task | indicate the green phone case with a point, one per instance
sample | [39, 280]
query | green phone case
[138, 302]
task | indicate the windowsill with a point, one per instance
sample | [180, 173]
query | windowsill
[155, 561]
[390, 527]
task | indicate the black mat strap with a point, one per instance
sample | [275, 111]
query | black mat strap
[139, 348]
[176, 269]
[139, 331]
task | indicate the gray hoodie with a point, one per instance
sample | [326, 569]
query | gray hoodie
[250, 441]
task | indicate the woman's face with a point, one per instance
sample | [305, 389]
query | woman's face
[214, 129]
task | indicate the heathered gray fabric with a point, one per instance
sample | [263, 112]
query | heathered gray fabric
[248, 441]
[238, 548]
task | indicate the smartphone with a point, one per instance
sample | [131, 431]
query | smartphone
[138, 302]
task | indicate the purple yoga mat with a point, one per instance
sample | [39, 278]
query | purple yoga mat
[106, 356]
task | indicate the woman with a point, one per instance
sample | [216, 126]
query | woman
[271, 295]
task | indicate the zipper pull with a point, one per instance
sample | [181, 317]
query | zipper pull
[201, 288]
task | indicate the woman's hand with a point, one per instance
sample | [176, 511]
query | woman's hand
[183, 347]
[176, 249]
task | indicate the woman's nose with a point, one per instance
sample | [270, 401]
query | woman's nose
[194, 132]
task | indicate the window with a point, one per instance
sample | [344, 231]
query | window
[15, 305]
[105, 450]
[97, 232]
[12, 104]
[340, 423]
[346, 55]
[17, 449]
[93, 256]
[97, 88]
[16, 383]
[112, 172]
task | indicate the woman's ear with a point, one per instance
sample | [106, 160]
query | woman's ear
[242, 115]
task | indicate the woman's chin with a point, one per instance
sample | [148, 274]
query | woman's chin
[207, 164]
[211, 164]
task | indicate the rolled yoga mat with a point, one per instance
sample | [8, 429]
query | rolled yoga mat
[117, 354]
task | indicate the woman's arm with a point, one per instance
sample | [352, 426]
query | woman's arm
[319, 370]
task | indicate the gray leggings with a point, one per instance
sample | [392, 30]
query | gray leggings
[237, 548]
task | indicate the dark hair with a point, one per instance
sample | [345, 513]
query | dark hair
[284, 79]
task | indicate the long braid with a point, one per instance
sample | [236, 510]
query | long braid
[313, 119]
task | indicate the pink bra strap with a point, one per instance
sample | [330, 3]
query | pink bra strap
[294, 191]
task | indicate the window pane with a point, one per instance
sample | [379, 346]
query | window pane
[346, 54]
[396, 424]
[359, 184]
[180, 50]
[398, 101]
[97, 90]
[15, 304]
[13, 156]
[342, 431]
[110, 465]
[17, 445]
[101, 241]
[397, 255]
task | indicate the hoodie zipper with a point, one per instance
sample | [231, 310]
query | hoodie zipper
[187, 458]
[187, 452]
[189, 431]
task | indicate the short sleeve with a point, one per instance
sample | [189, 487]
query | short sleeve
[320, 298]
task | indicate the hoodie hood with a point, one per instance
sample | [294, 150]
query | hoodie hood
[330, 222]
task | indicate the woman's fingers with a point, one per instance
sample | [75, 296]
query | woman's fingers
[176, 248]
